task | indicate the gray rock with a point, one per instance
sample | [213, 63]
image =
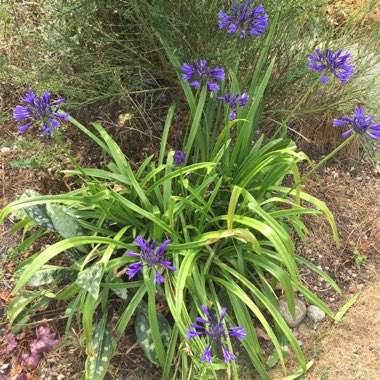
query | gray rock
[300, 311]
[315, 313]
[5, 149]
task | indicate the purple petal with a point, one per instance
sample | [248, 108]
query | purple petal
[228, 356]
[205, 311]
[192, 334]
[59, 101]
[20, 113]
[232, 115]
[23, 128]
[168, 265]
[212, 86]
[29, 98]
[339, 123]
[206, 357]
[217, 73]
[129, 253]
[345, 134]
[195, 84]
[237, 332]
[373, 136]
[162, 247]
[158, 279]
[141, 242]
[223, 314]
[133, 269]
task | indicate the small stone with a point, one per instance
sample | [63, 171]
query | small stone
[60, 377]
[359, 179]
[354, 350]
[327, 268]
[5, 149]
[315, 313]
[299, 343]
[332, 299]
[360, 286]
[300, 312]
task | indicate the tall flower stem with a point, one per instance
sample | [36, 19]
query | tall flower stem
[68, 154]
[322, 162]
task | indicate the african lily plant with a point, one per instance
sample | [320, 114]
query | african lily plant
[206, 230]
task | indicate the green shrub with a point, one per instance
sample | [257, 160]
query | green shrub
[228, 213]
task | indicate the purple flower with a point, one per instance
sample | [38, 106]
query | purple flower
[11, 342]
[200, 72]
[45, 341]
[150, 257]
[336, 63]
[243, 18]
[234, 101]
[39, 109]
[179, 158]
[359, 124]
[215, 329]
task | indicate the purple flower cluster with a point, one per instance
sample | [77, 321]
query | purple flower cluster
[39, 109]
[200, 72]
[359, 124]
[243, 18]
[215, 329]
[335, 63]
[179, 158]
[45, 341]
[150, 257]
[234, 101]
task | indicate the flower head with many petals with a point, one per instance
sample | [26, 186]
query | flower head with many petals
[214, 327]
[150, 257]
[39, 109]
[359, 124]
[200, 72]
[234, 101]
[335, 63]
[244, 18]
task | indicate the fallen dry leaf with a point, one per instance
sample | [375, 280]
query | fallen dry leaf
[261, 333]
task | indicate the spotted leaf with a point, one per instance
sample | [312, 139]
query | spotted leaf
[90, 279]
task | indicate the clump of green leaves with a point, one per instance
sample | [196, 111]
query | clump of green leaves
[230, 219]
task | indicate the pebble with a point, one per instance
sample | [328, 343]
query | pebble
[315, 313]
[5, 149]
[300, 312]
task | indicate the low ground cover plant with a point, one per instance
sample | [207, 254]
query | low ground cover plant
[206, 231]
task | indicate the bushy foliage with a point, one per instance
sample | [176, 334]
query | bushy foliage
[208, 230]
